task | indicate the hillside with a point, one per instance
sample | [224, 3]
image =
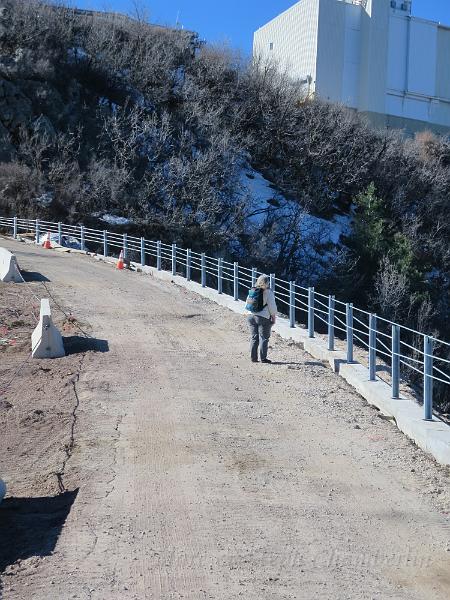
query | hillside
[104, 117]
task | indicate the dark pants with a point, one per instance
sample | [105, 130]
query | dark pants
[260, 329]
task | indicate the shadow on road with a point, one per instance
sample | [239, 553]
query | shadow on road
[287, 363]
[33, 276]
[76, 344]
[31, 526]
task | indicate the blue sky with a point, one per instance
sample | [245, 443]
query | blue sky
[232, 21]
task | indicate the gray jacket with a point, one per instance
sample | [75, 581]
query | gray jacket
[270, 308]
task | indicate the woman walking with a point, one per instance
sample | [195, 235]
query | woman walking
[262, 313]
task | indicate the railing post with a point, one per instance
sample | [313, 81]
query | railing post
[220, 275]
[125, 245]
[105, 243]
[311, 312]
[236, 281]
[395, 368]
[82, 238]
[142, 252]
[60, 233]
[174, 259]
[188, 264]
[272, 282]
[428, 378]
[372, 347]
[331, 303]
[349, 328]
[158, 255]
[15, 227]
[254, 277]
[203, 263]
[37, 232]
[292, 304]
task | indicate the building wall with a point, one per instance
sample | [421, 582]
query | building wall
[422, 48]
[330, 51]
[418, 83]
[409, 126]
[443, 63]
[369, 56]
[374, 56]
[291, 40]
[352, 55]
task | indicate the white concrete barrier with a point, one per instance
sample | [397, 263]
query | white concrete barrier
[2, 489]
[9, 269]
[46, 341]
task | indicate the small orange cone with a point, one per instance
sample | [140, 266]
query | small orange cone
[120, 264]
[47, 243]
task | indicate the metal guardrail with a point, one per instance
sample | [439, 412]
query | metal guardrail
[399, 346]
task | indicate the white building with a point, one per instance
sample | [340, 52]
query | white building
[371, 55]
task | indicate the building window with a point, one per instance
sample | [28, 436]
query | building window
[271, 46]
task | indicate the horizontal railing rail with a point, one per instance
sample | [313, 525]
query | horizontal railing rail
[384, 344]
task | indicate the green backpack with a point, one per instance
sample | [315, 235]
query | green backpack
[255, 300]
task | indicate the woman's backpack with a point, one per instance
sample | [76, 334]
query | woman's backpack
[255, 300]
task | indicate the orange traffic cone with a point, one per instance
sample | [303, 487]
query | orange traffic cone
[47, 243]
[120, 264]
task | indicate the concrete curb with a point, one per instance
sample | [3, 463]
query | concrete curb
[9, 269]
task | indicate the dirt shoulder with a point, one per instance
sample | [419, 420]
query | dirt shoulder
[193, 473]
[38, 418]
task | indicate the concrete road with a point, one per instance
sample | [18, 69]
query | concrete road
[202, 475]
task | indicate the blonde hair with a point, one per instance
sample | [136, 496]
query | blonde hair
[263, 281]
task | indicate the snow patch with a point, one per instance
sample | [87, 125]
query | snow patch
[103, 101]
[76, 54]
[114, 220]
[44, 200]
[262, 197]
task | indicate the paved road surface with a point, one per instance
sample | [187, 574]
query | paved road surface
[202, 475]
